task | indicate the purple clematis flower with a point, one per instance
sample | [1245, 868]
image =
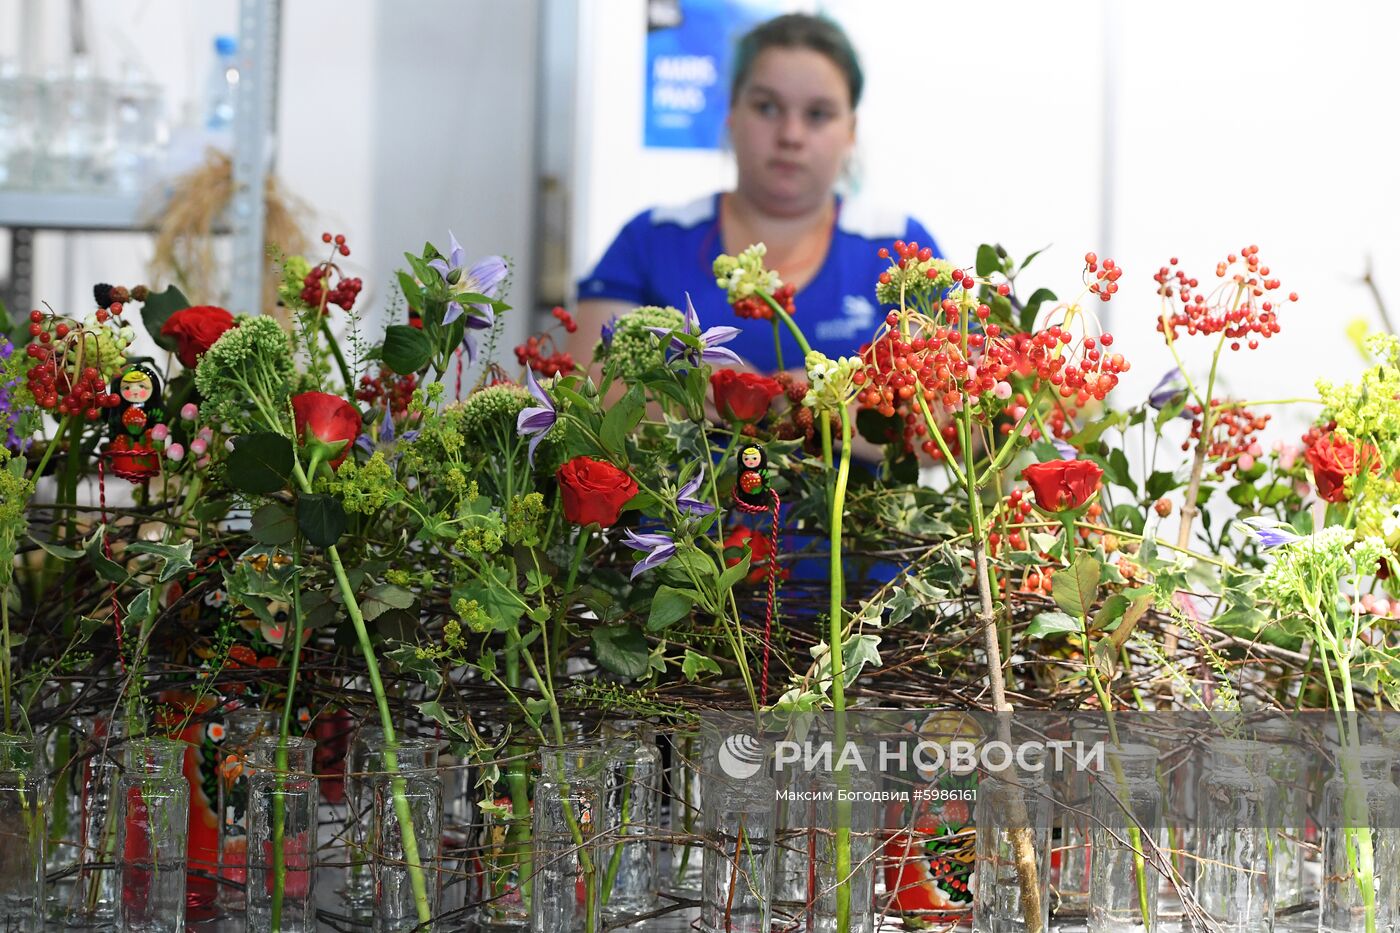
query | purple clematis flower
[659, 548]
[710, 340]
[385, 439]
[1166, 390]
[534, 422]
[1065, 449]
[1270, 533]
[607, 331]
[483, 278]
[686, 501]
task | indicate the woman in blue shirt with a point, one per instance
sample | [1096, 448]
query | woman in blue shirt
[792, 125]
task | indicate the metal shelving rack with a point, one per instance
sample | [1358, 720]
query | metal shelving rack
[26, 212]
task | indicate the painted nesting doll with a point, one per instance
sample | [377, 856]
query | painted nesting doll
[751, 488]
[130, 452]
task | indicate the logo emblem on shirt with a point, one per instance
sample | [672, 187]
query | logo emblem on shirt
[857, 320]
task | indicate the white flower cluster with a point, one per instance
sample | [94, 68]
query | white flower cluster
[743, 275]
[832, 387]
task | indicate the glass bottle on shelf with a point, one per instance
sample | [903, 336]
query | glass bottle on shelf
[1126, 816]
[1237, 803]
[282, 798]
[1360, 804]
[242, 727]
[154, 819]
[417, 783]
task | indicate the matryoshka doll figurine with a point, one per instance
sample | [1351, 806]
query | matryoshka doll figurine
[751, 488]
[130, 452]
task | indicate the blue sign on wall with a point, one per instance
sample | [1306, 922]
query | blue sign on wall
[690, 50]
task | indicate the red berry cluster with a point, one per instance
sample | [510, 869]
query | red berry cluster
[1233, 441]
[756, 308]
[565, 318]
[543, 355]
[388, 388]
[1245, 312]
[339, 241]
[911, 253]
[315, 294]
[52, 379]
[1105, 283]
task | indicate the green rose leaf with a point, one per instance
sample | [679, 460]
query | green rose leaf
[322, 519]
[622, 649]
[1075, 589]
[260, 463]
[669, 606]
[1051, 623]
[157, 310]
[406, 349]
[274, 524]
[382, 598]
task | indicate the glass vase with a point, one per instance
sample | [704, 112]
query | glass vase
[628, 852]
[1126, 809]
[498, 853]
[1288, 766]
[282, 795]
[738, 815]
[568, 813]
[360, 825]
[1237, 803]
[1076, 854]
[151, 837]
[242, 727]
[841, 798]
[1358, 802]
[93, 899]
[1013, 816]
[22, 832]
[686, 852]
[408, 786]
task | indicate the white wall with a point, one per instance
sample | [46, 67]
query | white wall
[1227, 124]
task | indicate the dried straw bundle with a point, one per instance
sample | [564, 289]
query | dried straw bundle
[184, 251]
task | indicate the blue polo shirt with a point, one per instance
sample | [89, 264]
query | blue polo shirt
[666, 252]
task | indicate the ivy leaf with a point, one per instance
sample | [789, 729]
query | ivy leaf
[156, 310]
[696, 664]
[58, 550]
[856, 653]
[1075, 589]
[669, 606]
[174, 558]
[274, 524]
[321, 518]
[1051, 623]
[622, 649]
[406, 349]
[106, 568]
[260, 463]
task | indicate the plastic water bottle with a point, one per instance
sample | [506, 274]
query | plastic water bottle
[221, 94]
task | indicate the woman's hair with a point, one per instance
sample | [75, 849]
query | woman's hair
[799, 31]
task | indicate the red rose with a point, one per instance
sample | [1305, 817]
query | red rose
[195, 330]
[760, 547]
[743, 396]
[1060, 485]
[328, 420]
[594, 491]
[1332, 461]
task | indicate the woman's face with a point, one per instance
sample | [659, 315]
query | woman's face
[792, 128]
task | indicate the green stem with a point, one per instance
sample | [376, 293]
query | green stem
[777, 345]
[335, 350]
[391, 759]
[838, 685]
[279, 802]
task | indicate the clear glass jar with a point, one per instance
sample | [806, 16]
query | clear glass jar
[1076, 854]
[155, 807]
[568, 814]
[499, 863]
[1126, 810]
[407, 795]
[93, 899]
[687, 853]
[1289, 767]
[22, 832]
[1014, 811]
[360, 834]
[738, 815]
[242, 727]
[847, 796]
[1359, 801]
[628, 866]
[282, 796]
[1237, 803]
